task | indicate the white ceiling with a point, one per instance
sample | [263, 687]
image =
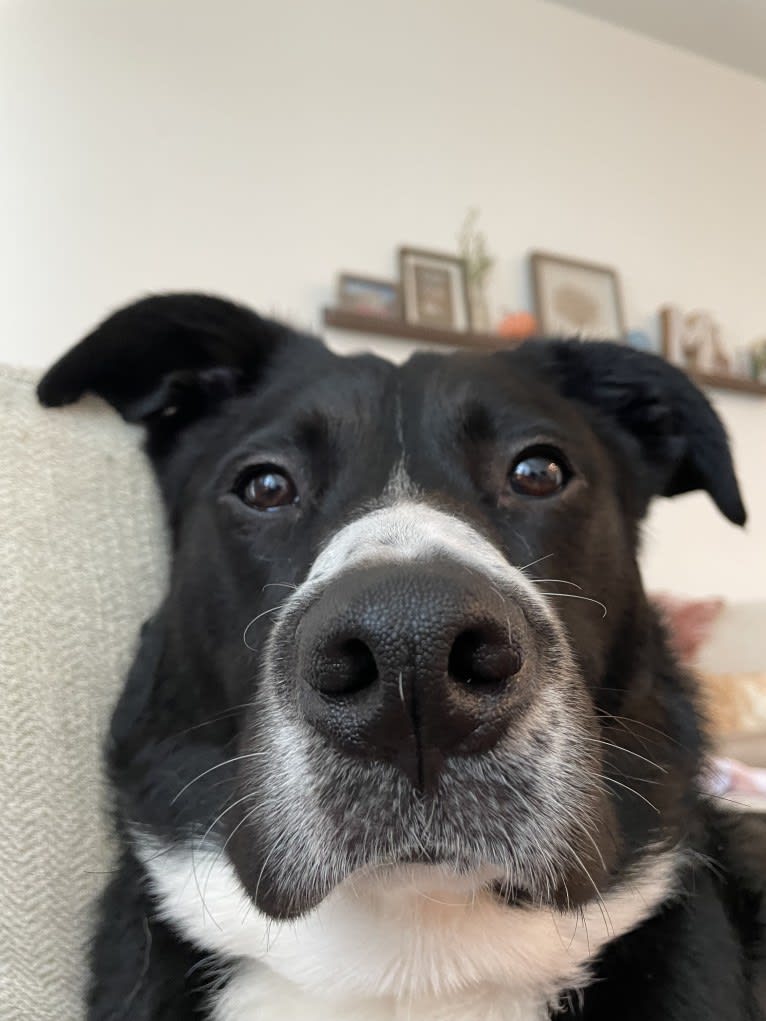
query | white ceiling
[731, 32]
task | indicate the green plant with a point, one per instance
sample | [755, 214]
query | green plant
[472, 244]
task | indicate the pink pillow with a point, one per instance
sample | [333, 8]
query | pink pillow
[729, 776]
[689, 622]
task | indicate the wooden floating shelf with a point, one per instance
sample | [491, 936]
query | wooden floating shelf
[719, 381]
[340, 319]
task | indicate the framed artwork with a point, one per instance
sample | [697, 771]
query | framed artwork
[368, 296]
[434, 289]
[692, 341]
[574, 298]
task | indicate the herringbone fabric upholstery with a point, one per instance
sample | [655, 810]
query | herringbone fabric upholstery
[82, 560]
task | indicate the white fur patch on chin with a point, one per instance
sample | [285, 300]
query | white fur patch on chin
[395, 943]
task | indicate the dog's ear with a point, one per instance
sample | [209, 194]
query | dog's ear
[682, 441]
[165, 360]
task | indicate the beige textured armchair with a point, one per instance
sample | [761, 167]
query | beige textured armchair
[81, 547]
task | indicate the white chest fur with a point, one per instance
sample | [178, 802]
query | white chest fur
[409, 944]
[255, 993]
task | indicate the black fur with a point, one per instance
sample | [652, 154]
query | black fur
[217, 387]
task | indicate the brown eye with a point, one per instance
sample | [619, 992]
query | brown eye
[267, 488]
[538, 473]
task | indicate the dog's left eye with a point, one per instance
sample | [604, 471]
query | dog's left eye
[266, 487]
[539, 472]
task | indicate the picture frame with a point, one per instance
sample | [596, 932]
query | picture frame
[692, 341]
[434, 289]
[573, 297]
[370, 296]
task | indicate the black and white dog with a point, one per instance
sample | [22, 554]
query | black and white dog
[405, 739]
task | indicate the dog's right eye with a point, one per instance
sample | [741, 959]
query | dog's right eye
[539, 472]
[266, 487]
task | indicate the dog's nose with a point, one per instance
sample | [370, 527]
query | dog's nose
[411, 663]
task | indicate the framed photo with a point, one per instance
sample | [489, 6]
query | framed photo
[367, 296]
[576, 298]
[692, 341]
[434, 289]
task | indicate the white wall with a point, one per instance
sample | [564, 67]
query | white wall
[255, 148]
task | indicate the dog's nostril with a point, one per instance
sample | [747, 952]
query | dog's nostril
[344, 667]
[483, 660]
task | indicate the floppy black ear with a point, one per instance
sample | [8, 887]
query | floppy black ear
[683, 442]
[164, 360]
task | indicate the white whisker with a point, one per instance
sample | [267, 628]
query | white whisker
[560, 581]
[619, 748]
[571, 595]
[218, 765]
[272, 609]
[538, 561]
[610, 779]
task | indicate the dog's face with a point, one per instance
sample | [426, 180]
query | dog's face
[405, 610]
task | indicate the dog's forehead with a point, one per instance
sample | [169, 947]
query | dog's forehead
[445, 403]
[443, 388]
[424, 395]
[374, 418]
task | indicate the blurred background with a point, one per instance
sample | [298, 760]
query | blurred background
[259, 149]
